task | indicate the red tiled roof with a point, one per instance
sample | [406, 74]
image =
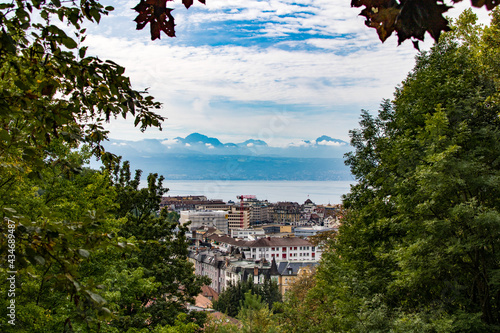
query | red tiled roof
[207, 291]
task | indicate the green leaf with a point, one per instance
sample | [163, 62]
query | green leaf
[82, 51]
[20, 84]
[69, 42]
[84, 253]
[96, 297]
[39, 259]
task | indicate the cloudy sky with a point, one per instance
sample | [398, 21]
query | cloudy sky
[276, 70]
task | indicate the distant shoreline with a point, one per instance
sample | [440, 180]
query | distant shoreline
[320, 192]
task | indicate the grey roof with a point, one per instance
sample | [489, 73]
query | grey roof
[292, 267]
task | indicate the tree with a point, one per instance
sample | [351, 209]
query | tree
[67, 234]
[230, 299]
[418, 247]
[52, 100]
[161, 253]
[61, 218]
[256, 316]
[50, 90]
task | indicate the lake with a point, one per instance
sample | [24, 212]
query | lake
[320, 192]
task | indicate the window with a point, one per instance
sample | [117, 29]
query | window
[313, 254]
[283, 249]
[284, 255]
[295, 248]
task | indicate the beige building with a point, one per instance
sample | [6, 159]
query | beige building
[238, 218]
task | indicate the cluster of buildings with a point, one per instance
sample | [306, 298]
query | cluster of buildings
[252, 239]
[249, 212]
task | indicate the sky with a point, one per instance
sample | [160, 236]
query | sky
[281, 71]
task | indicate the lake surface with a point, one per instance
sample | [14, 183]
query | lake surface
[320, 192]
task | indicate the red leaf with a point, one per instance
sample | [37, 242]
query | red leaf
[409, 18]
[156, 13]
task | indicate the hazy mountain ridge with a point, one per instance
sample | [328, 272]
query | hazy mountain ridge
[195, 143]
[199, 157]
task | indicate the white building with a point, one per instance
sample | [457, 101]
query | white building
[247, 233]
[217, 219]
[282, 249]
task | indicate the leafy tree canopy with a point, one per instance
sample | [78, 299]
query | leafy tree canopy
[88, 251]
[230, 299]
[418, 248]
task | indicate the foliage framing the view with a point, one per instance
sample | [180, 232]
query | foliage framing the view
[75, 258]
[418, 250]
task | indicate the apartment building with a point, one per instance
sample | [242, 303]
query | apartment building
[286, 213]
[224, 270]
[238, 217]
[247, 233]
[205, 218]
[282, 249]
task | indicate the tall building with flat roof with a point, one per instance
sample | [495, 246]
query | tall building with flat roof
[238, 217]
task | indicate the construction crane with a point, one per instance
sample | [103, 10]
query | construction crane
[241, 197]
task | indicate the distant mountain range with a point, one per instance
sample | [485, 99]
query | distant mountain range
[198, 156]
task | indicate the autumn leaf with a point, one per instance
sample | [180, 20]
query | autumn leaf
[419, 16]
[382, 19]
[411, 19]
[156, 13]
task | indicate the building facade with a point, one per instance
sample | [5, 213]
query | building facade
[205, 218]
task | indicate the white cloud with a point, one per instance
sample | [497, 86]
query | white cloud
[349, 70]
[209, 146]
[330, 143]
[301, 143]
[170, 142]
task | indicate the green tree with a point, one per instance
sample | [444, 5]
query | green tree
[230, 299]
[418, 248]
[160, 254]
[255, 315]
[61, 219]
[81, 255]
